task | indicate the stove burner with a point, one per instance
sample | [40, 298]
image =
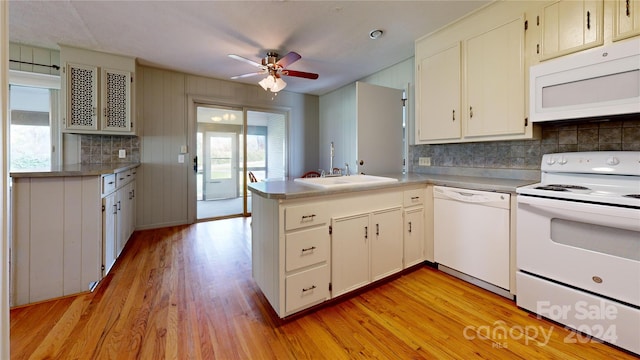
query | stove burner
[561, 187]
[634, 196]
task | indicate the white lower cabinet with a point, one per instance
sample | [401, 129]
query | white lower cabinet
[413, 236]
[387, 245]
[350, 253]
[414, 203]
[109, 231]
[118, 216]
[306, 251]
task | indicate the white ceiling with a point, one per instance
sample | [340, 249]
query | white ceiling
[196, 36]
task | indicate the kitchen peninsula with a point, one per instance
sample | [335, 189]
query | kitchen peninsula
[69, 224]
[312, 244]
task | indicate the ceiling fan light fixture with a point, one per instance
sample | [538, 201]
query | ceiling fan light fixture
[279, 85]
[267, 82]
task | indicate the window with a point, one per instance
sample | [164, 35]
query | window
[33, 131]
[30, 131]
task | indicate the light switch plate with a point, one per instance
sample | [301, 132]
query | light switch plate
[424, 161]
[181, 158]
[122, 153]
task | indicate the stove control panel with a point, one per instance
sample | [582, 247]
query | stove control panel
[593, 162]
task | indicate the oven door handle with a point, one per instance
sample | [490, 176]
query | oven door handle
[612, 216]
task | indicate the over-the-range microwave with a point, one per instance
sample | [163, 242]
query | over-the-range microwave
[599, 82]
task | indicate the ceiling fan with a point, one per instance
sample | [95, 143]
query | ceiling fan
[274, 68]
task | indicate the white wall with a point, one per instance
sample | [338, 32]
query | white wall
[166, 121]
[338, 113]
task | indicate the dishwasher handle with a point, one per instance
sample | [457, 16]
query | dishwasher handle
[493, 199]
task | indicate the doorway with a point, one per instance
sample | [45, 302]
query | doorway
[230, 144]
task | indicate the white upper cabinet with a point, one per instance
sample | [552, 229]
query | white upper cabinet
[439, 95]
[495, 81]
[471, 78]
[569, 26]
[98, 92]
[626, 19]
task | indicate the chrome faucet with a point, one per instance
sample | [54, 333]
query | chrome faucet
[346, 169]
[332, 153]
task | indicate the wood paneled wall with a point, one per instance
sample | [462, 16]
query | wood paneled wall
[166, 122]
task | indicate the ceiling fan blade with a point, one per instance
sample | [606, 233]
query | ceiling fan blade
[288, 59]
[248, 75]
[250, 62]
[302, 74]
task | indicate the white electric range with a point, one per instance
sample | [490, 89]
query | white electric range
[578, 245]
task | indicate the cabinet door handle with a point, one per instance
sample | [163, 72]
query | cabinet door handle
[133, 193]
[111, 182]
[588, 20]
[453, 116]
[628, 10]
[119, 207]
[130, 195]
[115, 209]
[309, 249]
[366, 232]
[377, 229]
[309, 288]
[305, 217]
[409, 226]
[470, 111]
[104, 112]
[415, 197]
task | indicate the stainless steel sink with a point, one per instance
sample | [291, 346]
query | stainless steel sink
[345, 181]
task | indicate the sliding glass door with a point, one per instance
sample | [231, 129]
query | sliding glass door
[231, 143]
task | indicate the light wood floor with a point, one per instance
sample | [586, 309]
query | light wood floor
[187, 293]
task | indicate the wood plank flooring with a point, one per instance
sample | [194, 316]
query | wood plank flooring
[187, 293]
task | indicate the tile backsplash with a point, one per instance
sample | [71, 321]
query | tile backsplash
[622, 133]
[103, 149]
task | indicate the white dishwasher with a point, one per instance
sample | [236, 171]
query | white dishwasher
[471, 233]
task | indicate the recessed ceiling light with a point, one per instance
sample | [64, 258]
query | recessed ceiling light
[374, 34]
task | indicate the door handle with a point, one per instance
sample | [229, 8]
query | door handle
[195, 164]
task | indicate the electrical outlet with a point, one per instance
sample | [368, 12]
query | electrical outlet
[122, 153]
[424, 161]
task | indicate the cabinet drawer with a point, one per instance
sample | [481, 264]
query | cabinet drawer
[305, 215]
[413, 197]
[307, 288]
[132, 173]
[108, 183]
[307, 247]
[122, 178]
